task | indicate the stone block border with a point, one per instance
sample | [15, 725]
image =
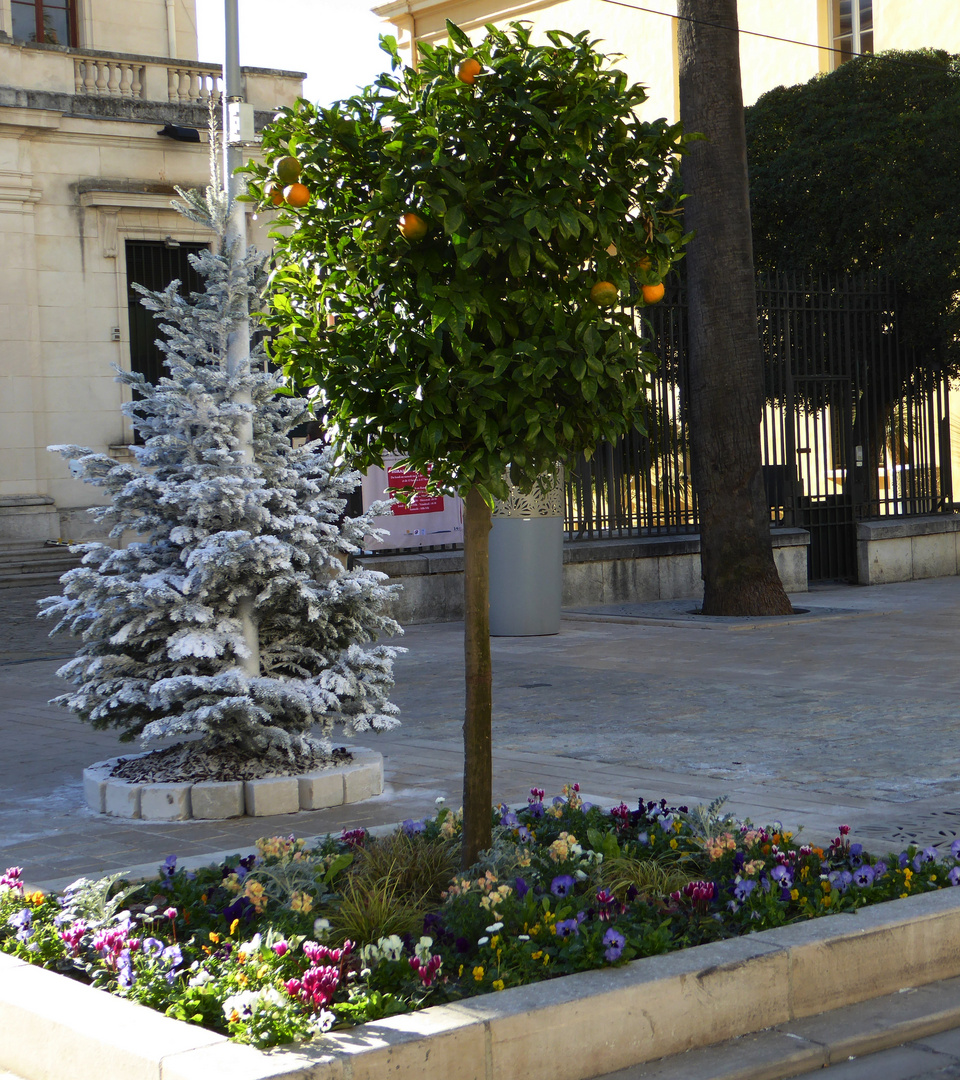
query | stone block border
[572, 1028]
[361, 778]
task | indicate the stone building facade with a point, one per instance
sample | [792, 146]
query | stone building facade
[104, 109]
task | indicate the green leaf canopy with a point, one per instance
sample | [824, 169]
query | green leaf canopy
[856, 171]
[476, 345]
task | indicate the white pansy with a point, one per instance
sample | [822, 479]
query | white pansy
[246, 948]
[391, 947]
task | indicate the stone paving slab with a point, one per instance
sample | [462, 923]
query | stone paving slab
[849, 717]
[854, 720]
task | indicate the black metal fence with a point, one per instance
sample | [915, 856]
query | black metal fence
[856, 424]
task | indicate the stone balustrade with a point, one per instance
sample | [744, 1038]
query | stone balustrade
[103, 75]
[107, 76]
[54, 69]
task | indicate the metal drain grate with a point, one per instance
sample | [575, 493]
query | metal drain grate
[937, 828]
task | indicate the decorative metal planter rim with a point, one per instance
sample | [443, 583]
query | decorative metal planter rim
[545, 500]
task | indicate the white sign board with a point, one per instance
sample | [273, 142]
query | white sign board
[426, 520]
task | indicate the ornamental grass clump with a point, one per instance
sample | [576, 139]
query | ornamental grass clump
[290, 941]
[393, 886]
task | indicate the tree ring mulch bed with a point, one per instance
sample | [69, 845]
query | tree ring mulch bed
[197, 762]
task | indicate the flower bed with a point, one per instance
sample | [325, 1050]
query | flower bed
[288, 943]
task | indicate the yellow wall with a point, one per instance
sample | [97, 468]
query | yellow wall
[910, 24]
[648, 38]
[766, 63]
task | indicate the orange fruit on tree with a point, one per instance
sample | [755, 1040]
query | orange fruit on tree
[288, 171]
[653, 294]
[644, 263]
[604, 294]
[412, 226]
[296, 194]
[469, 70]
[274, 193]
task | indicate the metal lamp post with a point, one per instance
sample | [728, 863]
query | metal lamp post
[236, 119]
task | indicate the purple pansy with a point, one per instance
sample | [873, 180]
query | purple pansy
[863, 876]
[614, 942]
[744, 888]
[562, 885]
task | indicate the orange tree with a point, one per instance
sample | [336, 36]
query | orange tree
[472, 344]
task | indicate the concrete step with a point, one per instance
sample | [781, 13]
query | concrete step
[801, 1048]
[24, 564]
[26, 581]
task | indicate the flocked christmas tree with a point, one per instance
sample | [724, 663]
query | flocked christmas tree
[163, 650]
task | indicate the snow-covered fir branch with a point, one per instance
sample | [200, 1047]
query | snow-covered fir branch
[161, 646]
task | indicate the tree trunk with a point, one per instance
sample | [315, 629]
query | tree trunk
[477, 751]
[726, 387]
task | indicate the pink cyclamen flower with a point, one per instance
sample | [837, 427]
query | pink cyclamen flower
[170, 913]
[317, 953]
[280, 948]
[317, 986]
[428, 971]
[10, 879]
[73, 935]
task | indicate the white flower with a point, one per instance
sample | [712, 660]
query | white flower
[248, 1002]
[321, 927]
[391, 947]
[268, 995]
[495, 927]
[201, 978]
[440, 800]
[369, 954]
[422, 949]
[523, 937]
[248, 947]
[482, 941]
[242, 1004]
[323, 1021]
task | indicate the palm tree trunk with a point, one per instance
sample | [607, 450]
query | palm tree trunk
[726, 386]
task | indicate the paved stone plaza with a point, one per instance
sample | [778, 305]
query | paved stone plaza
[846, 713]
[849, 712]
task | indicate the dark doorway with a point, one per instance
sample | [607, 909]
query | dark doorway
[154, 265]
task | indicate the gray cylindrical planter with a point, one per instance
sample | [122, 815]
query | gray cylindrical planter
[526, 562]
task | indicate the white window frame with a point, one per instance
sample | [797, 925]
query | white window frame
[856, 34]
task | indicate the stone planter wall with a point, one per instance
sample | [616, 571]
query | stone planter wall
[569, 1028]
[594, 572]
[361, 778]
[907, 549]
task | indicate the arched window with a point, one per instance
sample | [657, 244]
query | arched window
[51, 22]
[852, 29]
